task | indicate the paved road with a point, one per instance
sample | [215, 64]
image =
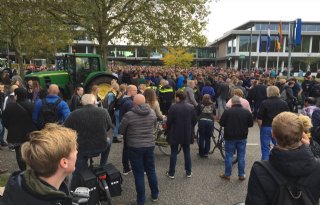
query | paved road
[204, 188]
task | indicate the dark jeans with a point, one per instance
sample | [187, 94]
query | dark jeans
[230, 147]
[125, 157]
[82, 163]
[1, 131]
[142, 160]
[256, 106]
[173, 158]
[205, 132]
[22, 165]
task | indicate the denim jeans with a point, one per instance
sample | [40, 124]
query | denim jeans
[222, 106]
[142, 160]
[82, 162]
[116, 127]
[205, 133]
[173, 159]
[265, 139]
[230, 147]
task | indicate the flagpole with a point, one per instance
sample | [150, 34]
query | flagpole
[277, 69]
[267, 61]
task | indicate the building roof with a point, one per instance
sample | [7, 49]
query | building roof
[245, 29]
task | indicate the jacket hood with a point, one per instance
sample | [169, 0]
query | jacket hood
[143, 109]
[36, 186]
[26, 188]
[293, 163]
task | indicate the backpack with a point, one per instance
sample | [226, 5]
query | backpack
[48, 113]
[288, 192]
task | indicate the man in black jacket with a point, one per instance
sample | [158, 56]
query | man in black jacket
[236, 122]
[92, 124]
[268, 110]
[18, 115]
[180, 123]
[259, 94]
[290, 158]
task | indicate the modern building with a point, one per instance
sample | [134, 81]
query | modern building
[126, 54]
[141, 55]
[233, 48]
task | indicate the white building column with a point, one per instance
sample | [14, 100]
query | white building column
[282, 65]
[236, 64]
[86, 48]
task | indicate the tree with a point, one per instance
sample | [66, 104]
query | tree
[29, 30]
[147, 22]
[178, 57]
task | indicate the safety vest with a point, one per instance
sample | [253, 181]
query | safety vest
[182, 89]
[167, 90]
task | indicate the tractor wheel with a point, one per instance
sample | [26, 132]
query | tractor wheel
[104, 84]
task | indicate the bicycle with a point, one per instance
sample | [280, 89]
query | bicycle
[160, 134]
[218, 141]
[96, 179]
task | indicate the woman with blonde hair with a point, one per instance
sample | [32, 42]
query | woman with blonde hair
[151, 99]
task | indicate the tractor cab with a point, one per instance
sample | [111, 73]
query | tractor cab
[77, 69]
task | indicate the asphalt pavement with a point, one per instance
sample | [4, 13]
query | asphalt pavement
[204, 187]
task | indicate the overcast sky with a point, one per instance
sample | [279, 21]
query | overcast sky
[228, 14]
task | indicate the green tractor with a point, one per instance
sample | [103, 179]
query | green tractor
[74, 70]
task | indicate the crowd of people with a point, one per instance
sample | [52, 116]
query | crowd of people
[182, 98]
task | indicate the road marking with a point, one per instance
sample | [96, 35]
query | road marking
[252, 144]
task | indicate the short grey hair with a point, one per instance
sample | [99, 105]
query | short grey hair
[235, 100]
[88, 99]
[273, 91]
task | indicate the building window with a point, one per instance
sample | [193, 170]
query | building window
[304, 46]
[315, 44]
[111, 51]
[125, 51]
[142, 52]
[229, 50]
[244, 43]
[206, 53]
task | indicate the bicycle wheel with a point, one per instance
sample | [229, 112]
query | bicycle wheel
[107, 192]
[214, 136]
[197, 137]
[161, 142]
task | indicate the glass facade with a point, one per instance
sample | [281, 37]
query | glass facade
[126, 51]
[244, 43]
[304, 46]
[111, 51]
[142, 52]
[285, 27]
[315, 44]
[205, 52]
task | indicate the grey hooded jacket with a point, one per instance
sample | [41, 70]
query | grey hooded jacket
[137, 126]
